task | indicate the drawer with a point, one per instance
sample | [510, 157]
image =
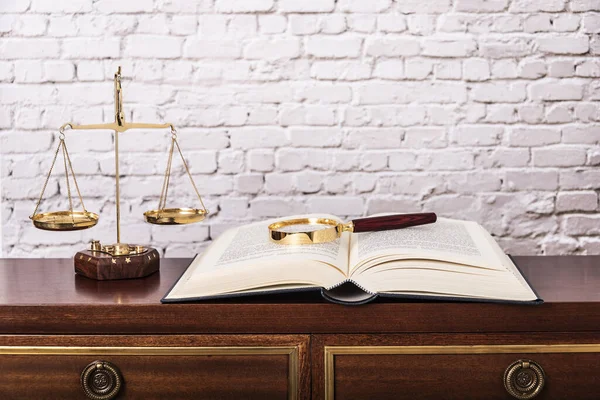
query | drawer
[155, 368]
[459, 371]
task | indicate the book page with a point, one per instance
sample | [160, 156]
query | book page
[448, 258]
[244, 259]
[447, 240]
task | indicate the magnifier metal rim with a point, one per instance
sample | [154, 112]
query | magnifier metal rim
[306, 237]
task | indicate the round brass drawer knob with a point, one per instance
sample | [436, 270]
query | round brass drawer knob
[101, 380]
[524, 379]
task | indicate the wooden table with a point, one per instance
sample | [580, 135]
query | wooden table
[54, 323]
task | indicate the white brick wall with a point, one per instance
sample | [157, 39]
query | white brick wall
[477, 109]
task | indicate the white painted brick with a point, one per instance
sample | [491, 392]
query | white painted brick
[556, 90]
[502, 157]
[585, 5]
[183, 25]
[307, 115]
[588, 69]
[304, 24]
[244, 6]
[538, 23]
[449, 48]
[264, 207]
[91, 48]
[537, 5]
[29, 71]
[505, 48]
[582, 224]
[242, 26]
[579, 179]
[403, 161]
[499, 92]
[15, 48]
[389, 69]
[258, 138]
[532, 69]
[405, 93]
[391, 23]
[347, 161]
[30, 25]
[533, 136]
[477, 135]
[306, 6]
[531, 180]
[333, 24]
[392, 204]
[328, 47]
[421, 25]
[272, 49]
[338, 205]
[559, 157]
[373, 138]
[576, 201]
[504, 69]
[431, 137]
[581, 134]
[343, 70]
[316, 137]
[309, 181]
[321, 93]
[561, 69]
[566, 22]
[248, 183]
[476, 69]
[418, 68]
[359, 6]
[481, 6]
[564, 45]
[424, 6]
[260, 160]
[58, 71]
[153, 46]
[444, 160]
[448, 69]
[362, 23]
[373, 161]
[90, 71]
[212, 49]
[271, 24]
[392, 47]
[116, 6]
[278, 183]
[558, 113]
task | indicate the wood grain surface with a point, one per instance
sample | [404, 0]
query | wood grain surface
[44, 296]
[452, 376]
[255, 376]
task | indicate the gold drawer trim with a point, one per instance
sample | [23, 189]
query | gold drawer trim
[291, 351]
[332, 351]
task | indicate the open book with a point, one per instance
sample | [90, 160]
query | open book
[446, 260]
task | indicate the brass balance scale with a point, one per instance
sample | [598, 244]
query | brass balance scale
[119, 260]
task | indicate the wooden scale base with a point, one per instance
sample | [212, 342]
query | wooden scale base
[104, 266]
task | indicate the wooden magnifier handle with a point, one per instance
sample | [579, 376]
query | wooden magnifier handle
[388, 222]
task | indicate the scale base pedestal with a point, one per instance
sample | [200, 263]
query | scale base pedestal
[103, 266]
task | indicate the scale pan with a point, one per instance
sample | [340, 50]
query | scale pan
[175, 216]
[65, 220]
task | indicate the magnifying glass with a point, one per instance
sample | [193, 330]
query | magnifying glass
[321, 230]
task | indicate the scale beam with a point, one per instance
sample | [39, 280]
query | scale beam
[114, 126]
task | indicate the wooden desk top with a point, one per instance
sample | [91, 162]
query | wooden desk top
[45, 296]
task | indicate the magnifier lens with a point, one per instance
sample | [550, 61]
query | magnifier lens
[303, 228]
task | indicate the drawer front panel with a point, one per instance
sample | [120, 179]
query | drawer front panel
[267, 371]
[456, 372]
